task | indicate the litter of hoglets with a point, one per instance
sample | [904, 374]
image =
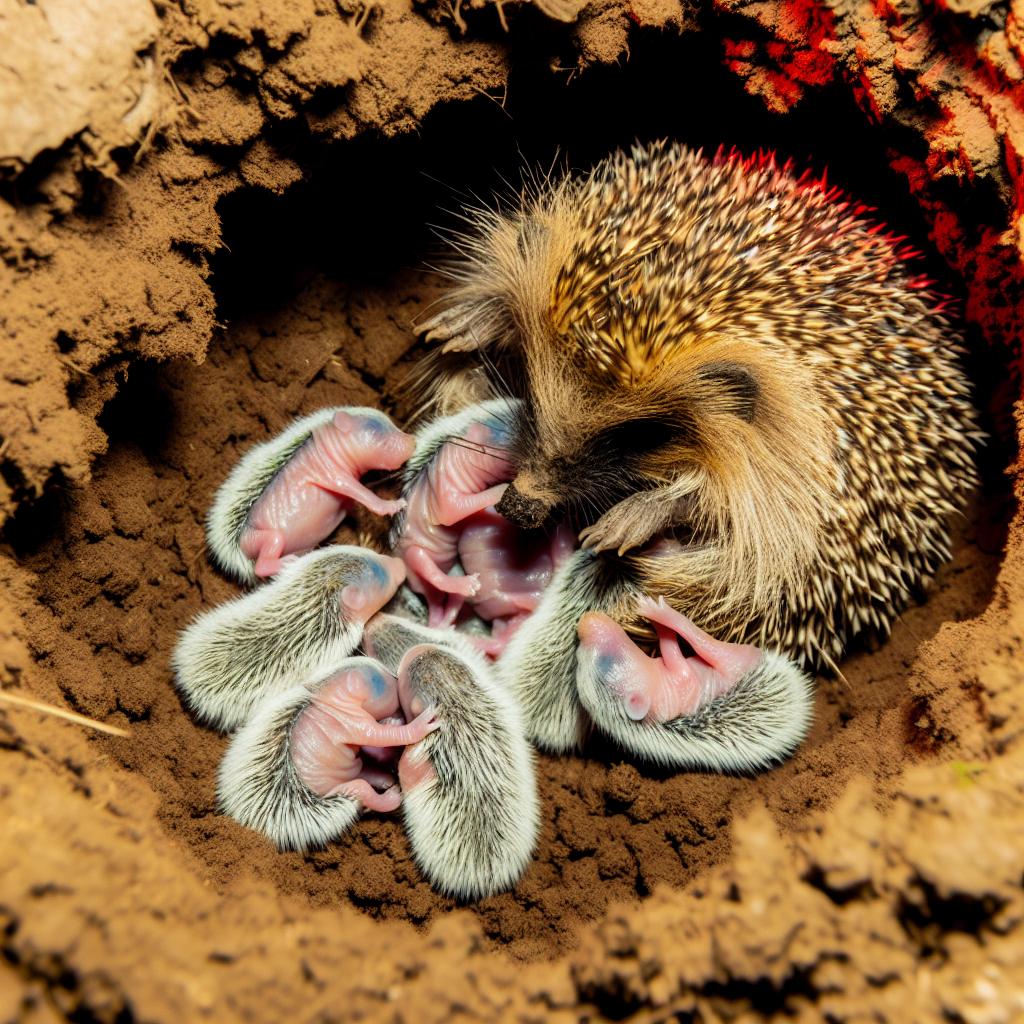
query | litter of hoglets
[320, 726]
[731, 399]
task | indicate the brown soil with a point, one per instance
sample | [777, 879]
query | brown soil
[185, 273]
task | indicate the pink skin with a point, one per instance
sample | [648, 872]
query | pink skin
[451, 519]
[513, 574]
[466, 477]
[353, 713]
[311, 495]
[414, 767]
[361, 601]
[671, 685]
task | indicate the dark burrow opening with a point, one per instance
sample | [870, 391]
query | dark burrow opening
[332, 273]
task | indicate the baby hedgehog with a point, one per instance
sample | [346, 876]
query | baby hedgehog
[290, 493]
[730, 383]
[469, 795]
[309, 759]
[301, 623]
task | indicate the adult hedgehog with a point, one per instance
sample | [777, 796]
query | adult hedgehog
[726, 377]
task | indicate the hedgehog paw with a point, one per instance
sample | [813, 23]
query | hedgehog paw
[725, 707]
[454, 328]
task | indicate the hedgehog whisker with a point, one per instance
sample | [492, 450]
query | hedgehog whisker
[504, 389]
[482, 444]
[477, 446]
[389, 477]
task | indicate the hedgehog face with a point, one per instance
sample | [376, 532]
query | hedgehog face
[585, 438]
[583, 471]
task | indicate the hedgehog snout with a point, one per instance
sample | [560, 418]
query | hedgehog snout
[409, 695]
[522, 510]
[395, 569]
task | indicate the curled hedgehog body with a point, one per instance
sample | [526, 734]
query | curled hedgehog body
[728, 379]
[719, 353]
[250, 477]
[258, 785]
[262, 466]
[310, 616]
[469, 793]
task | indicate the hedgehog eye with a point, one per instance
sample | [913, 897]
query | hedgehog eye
[640, 435]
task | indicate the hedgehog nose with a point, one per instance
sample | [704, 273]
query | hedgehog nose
[518, 509]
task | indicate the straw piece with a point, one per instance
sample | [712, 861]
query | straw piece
[71, 716]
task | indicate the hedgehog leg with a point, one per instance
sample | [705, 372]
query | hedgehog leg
[306, 619]
[539, 663]
[727, 707]
[462, 506]
[261, 786]
[419, 559]
[267, 547]
[367, 445]
[469, 795]
[347, 486]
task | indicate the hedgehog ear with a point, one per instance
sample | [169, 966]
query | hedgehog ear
[738, 383]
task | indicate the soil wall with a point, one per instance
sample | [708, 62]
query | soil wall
[214, 217]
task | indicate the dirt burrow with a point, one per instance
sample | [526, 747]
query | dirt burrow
[279, 196]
